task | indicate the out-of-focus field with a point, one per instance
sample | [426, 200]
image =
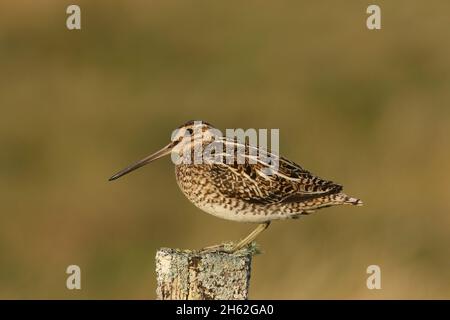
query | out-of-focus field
[368, 109]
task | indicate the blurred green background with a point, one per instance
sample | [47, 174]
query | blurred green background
[368, 109]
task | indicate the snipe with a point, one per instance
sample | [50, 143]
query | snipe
[243, 191]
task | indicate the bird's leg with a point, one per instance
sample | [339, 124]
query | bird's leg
[252, 236]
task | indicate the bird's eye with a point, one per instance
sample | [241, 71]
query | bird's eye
[190, 131]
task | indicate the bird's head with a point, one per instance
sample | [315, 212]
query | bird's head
[183, 141]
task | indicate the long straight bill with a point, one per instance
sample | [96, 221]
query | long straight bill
[158, 154]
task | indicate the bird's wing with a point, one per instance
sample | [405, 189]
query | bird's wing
[256, 181]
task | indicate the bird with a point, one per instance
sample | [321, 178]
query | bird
[249, 190]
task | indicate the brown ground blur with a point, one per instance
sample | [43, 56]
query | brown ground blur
[368, 109]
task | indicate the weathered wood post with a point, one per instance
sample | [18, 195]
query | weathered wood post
[203, 275]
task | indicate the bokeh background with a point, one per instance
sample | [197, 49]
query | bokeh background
[368, 109]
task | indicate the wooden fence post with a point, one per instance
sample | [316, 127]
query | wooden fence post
[203, 275]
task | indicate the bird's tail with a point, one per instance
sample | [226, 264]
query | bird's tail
[345, 199]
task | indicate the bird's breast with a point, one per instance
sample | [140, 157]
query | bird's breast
[196, 183]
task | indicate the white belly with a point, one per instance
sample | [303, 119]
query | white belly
[240, 215]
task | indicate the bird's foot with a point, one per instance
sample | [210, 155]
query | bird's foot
[231, 248]
[224, 247]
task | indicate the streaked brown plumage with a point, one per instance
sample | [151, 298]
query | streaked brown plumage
[247, 192]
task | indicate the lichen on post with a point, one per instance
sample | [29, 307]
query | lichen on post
[203, 275]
